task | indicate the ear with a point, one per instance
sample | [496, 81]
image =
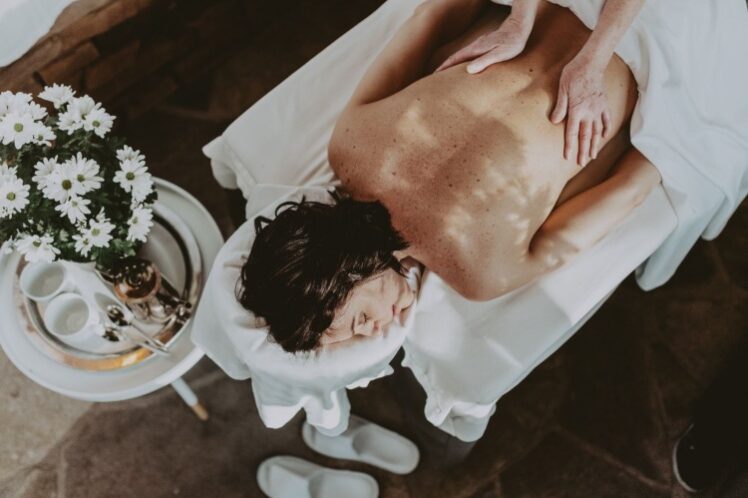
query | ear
[400, 255]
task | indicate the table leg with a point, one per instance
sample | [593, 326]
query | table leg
[189, 397]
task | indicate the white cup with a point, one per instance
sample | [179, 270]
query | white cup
[71, 318]
[42, 281]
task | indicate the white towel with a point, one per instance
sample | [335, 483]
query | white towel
[284, 383]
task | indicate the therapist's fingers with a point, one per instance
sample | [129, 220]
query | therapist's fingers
[606, 123]
[585, 139]
[571, 138]
[562, 103]
[475, 49]
[597, 131]
[499, 54]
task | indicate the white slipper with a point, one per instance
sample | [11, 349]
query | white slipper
[290, 477]
[366, 442]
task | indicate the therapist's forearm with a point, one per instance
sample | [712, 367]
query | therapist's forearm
[524, 12]
[615, 18]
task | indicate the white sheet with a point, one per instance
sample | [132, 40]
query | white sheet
[467, 355]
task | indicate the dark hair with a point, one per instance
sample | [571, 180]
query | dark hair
[305, 262]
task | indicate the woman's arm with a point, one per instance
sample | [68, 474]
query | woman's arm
[574, 226]
[581, 221]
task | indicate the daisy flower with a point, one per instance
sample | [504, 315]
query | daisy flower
[84, 105]
[17, 129]
[37, 248]
[75, 208]
[83, 244]
[142, 186]
[129, 173]
[139, 224]
[5, 99]
[98, 121]
[14, 195]
[99, 230]
[43, 169]
[14, 103]
[70, 120]
[43, 135]
[6, 170]
[63, 182]
[86, 172]
[127, 153]
[59, 95]
[36, 111]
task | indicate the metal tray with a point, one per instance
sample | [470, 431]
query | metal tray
[185, 273]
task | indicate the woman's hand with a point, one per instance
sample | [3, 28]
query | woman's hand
[581, 100]
[507, 42]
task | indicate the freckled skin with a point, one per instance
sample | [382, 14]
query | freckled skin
[470, 166]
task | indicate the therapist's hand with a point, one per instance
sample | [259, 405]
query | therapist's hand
[581, 100]
[507, 42]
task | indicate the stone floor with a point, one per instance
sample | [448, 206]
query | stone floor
[597, 419]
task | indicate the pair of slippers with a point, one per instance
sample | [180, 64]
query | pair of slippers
[291, 477]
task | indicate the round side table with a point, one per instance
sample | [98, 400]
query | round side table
[134, 381]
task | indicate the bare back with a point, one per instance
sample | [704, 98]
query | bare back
[469, 166]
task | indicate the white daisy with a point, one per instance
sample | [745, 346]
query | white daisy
[43, 135]
[14, 195]
[43, 169]
[7, 170]
[5, 99]
[14, 102]
[63, 182]
[70, 120]
[86, 172]
[59, 95]
[129, 172]
[37, 248]
[127, 153]
[142, 187]
[36, 111]
[99, 230]
[75, 208]
[83, 243]
[17, 129]
[99, 122]
[84, 105]
[140, 224]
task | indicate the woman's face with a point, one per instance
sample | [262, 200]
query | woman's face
[370, 308]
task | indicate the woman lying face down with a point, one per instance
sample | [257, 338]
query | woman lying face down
[321, 274]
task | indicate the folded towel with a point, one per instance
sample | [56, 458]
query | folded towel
[284, 383]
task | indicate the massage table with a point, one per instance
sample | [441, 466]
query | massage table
[465, 354]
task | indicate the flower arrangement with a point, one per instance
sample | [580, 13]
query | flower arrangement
[68, 189]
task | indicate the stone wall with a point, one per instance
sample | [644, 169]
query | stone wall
[132, 54]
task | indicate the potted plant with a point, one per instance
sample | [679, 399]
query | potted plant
[68, 189]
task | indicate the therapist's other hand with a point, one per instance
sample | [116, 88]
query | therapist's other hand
[582, 101]
[507, 42]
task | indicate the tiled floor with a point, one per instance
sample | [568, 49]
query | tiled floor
[598, 419]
